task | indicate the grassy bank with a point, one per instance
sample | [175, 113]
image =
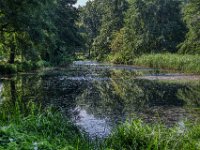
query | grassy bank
[26, 66]
[49, 130]
[178, 62]
[139, 136]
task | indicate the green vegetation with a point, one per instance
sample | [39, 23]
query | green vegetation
[137, 135]
[131, 29]
[191, 44]
[50, 130]
[47, 130]
[26, 66]
[154, 33]
[183, 63]
[35, 32]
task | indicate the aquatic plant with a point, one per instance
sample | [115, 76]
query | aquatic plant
[178, 62]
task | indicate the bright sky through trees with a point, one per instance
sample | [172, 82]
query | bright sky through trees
[81, 2]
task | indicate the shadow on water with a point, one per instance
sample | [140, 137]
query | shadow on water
[97, 98]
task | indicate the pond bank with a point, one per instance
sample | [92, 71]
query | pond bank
[49, 130]
[92, 102]
[174, 62]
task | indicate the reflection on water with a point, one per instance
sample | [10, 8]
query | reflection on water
[92, 125]
[99, 99]
[1, 86]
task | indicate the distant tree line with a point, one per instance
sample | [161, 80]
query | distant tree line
[129, 28]
[32, 30]
[51, 30]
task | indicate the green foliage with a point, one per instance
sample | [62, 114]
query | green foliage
[137, 135]
[112, 21]
[38, 30]
[40, 130]
[191, 44]
[7, 68]
[119, 31]
[101, 19]
[183, 63]
[49, 130]
[25, 66]
[90, 16]
[118, 54]
[153, 26]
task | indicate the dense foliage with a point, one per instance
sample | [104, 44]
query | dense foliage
[127, 29]
[38, 30]
[153, 26]
[192, 19]
[110, 18]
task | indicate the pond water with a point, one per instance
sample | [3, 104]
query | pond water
[97, 97]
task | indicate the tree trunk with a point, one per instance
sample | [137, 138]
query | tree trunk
[12, 55]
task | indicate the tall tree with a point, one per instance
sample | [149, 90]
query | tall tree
[153, 26]
[18, 18]
[36, 30]
[113, 20]
[90, 21]
[192, 18]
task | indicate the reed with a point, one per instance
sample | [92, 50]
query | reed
[177, 62]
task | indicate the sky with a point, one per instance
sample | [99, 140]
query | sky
[81, 2]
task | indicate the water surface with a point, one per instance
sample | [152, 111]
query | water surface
[97, 97]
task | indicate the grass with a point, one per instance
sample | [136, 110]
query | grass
[178, 62]
[139, 136]
[50, 130]
[47, 130]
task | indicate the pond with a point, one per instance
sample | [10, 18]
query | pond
[97, 97]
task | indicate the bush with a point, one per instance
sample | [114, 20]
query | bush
[24, 66]
[8, 68]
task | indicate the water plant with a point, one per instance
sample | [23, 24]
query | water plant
[178, 62]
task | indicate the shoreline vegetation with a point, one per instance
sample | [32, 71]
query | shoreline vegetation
[152, 33]
[49, 129]
[26, 66]
[183, 63]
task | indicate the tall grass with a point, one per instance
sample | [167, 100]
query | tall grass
[49, 130]
[179, 62]
[139, 136]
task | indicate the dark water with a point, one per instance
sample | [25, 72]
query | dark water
[97, 97]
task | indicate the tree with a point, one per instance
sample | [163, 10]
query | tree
[18, 19]
[90, 21]
[67, 37]
[153, 26]
[191, 44]
[34, 30]
[113, 20]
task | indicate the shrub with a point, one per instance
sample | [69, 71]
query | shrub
[8, 68]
